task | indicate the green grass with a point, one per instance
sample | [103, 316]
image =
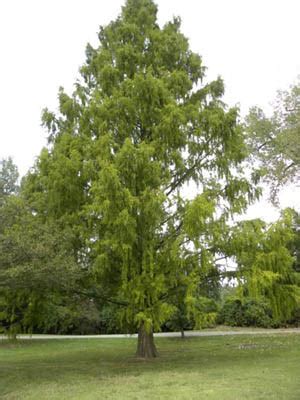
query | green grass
[223, 368]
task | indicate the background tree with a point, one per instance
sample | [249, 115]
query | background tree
[38, 272]
[265, 270]
[139, 126]
[275, 141]
[8, 178]
[204, 305]
[294, 244]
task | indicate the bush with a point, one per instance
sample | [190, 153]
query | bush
[248, 313]
[295, 320]
[231, 313]
[257, 313]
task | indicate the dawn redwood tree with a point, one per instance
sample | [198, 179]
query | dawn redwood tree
[140, 125]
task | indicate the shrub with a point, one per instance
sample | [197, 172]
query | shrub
[251, 312]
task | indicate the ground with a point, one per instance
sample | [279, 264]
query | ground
[222, 367]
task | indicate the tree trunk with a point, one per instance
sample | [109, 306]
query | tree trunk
[145, 347]
[182, 333]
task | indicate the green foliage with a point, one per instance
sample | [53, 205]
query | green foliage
[140, 125]
[275, 142]
[294, 244]
[109, 315]
[265, 265]
[295, 317]
[195, 298]
[206, 312]
[8, 178]
[105, 211]
[231, 313]
[102, 217]
[248, 312]
[36, 268]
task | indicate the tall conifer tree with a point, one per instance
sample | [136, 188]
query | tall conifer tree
[140, 126]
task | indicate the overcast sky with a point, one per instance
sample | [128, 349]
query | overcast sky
[252, 44]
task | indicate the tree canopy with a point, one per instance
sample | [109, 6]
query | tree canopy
[275, 141]
[8, 178]
[140, 125]
[37, 266]
[265, 263]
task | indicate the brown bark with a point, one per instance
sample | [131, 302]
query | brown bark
[145, 347]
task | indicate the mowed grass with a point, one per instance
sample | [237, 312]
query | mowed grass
[223, 368]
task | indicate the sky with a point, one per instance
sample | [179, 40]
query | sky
[252, 44]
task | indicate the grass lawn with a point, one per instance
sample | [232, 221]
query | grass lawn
[223, 368]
